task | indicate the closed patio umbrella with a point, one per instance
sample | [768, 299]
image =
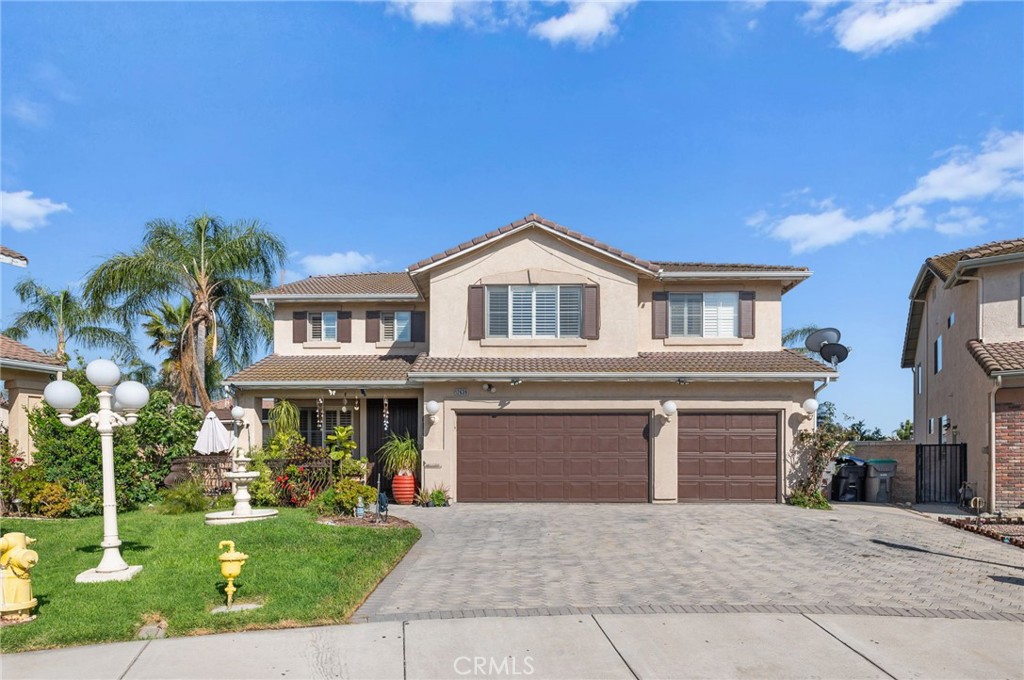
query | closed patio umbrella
[213, 436]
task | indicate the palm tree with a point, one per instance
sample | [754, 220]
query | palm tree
[165, 326]
[794, 338]
[64, 316]
[213, 265]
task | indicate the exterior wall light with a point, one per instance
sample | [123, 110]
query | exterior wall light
[488, 387]
[432, 408]
[516, 381]
[810, 406]
[669, 409]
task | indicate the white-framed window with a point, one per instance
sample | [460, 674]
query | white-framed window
[943, 429]
[920, 379]
[396, 326]
[951, 320]
[312, 429]
[938, 354]
[534, 311]
[703, 315]
[931, 425]
[323, 326]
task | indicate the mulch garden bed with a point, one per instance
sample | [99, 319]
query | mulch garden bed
[366, 521]
[1006, 529]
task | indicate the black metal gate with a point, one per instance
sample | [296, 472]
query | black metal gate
[941, 470]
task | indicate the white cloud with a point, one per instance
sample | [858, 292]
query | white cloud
[21, 212]
[997, 170]
[584, 22]
[427, 12]
[348, 262]
[28, 111]
[960, 221]
[873, 27]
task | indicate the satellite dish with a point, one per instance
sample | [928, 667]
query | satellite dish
[834, 353]
[821, 337]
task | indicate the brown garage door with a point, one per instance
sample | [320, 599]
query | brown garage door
[575, 457]
[727, 457]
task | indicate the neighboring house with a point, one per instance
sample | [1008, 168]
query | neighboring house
[550, 358]
[12, 257]
[965, 344]
[25, 372]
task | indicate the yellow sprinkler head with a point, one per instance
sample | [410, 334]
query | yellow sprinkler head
[231, 562]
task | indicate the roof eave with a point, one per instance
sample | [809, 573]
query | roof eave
[789, 279]
[311, 297]
[16, 261]
[35, 366]
[991, 261]
[343, 384]
[618, 376]
[416, 271]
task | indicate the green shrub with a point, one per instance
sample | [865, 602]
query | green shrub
[342, 498]
[52, 500]
[185, 497]
[24, 485]
[439, 497]
[815, 500]
[84, 501]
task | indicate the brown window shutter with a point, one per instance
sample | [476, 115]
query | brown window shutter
[746, 313]
[344, 326]
[299, 329]
[418, 332]
[476, 312]
[591, 312]
[659, 315]
[373, 326]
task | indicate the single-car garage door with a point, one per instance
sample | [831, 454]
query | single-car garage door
[574, 457]
[728, 457]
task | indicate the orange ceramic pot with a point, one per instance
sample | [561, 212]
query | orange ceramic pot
[403, 487]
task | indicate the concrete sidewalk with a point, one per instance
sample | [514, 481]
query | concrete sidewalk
[579, 646]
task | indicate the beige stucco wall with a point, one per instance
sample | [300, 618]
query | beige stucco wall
[25, 390]
[962, 390]
[767, 317]
[439, 441]
[544, 258]
[1001, 315]
[283, 329]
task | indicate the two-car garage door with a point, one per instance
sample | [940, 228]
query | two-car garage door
[605, 457]
[580, 457]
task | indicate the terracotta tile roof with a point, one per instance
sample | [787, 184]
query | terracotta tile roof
[944, 264]
[681, 363]
[713, 267]
[998, 357]
[554, 226]
[12, 350]
[340, 368]
[375, 283]
[13, 254]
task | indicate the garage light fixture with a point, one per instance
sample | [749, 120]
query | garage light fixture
[515, 381]
[810, 406]
[669, 408]
[432, 407]
[488, 387]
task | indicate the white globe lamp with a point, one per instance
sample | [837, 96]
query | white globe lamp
[432, 408]
[810, 406]
[669, 408]
[63, 395]
[237, 413]
[131, 395]
[103, 373]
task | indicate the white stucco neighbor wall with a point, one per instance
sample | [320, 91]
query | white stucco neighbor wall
[1001, 313]
[439, 442]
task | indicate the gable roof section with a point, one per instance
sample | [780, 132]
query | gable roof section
[325, 370]
[9, 256]
[534, 220]
[13, 354]
[998, 358]
[371, 286]
[780, 365]
[702, 271]
[947, 268]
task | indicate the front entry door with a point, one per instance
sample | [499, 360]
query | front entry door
[403, 418]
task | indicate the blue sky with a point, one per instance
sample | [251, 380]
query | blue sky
[853, 139]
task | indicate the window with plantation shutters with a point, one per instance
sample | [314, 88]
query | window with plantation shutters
[323, 326]
[396, 326]
[534, 311]
[313, 430]
[703, 315]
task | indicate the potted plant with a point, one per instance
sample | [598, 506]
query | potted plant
[399, 458]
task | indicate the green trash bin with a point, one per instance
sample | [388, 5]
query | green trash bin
[878, 485]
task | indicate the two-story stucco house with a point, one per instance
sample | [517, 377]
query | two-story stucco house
[965, 344]
[25, 373]
[549, 360]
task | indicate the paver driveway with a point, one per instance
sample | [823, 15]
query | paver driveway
[524, 556]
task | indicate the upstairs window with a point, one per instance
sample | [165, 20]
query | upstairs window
[396, 326]
[938, 354]
[323, 326]
[534, 311]
[920, 379]
[703, 315]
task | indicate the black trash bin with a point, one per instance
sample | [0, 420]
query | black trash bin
[878, 486]
[848, 483]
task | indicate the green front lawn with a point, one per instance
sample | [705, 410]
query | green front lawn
[303, 572]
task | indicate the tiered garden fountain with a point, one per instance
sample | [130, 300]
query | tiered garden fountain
[241, 477]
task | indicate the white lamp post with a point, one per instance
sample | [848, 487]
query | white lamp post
[129, 396]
